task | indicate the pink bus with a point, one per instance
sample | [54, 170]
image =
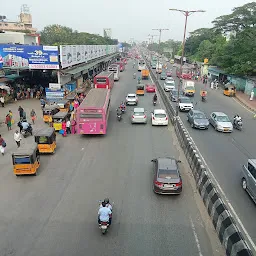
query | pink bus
[104, 80]
[92, 115]
[121, 65]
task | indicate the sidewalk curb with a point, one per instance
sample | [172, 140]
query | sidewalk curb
[246, 105]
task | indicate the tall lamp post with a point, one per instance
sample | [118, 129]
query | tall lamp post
[151, 41]
[186, 13]
[160, 33]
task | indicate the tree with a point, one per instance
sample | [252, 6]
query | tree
[169, 45]
[241, 18]
[61, 35]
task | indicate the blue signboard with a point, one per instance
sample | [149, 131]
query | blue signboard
[54, 95]
[29, 56]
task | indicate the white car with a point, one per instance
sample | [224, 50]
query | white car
[131, 99]
[139, 116]
[169, 84]
[159, 117]
[221, 122]
[185, 104]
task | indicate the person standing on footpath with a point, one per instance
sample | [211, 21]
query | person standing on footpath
[8, 122]
[17, 138]
[21, 111]
[33, 116]
[2, 101]
[2, 145]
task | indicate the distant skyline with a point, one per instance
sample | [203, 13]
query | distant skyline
[134, 19]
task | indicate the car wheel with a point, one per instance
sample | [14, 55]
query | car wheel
[192, 125]
[244, 184]
[215, 128]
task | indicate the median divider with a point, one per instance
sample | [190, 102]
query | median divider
[223, 222]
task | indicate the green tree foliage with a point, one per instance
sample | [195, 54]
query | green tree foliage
[61, 35]
[236, 55]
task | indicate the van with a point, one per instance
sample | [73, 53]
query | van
[249, 178]
[188, 88]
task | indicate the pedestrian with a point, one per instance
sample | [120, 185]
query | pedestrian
[11, 116]
[64, 128]
[42, 102]
[24, 118]
[71, 107]
[17, 138]
[33, 116]
[68, 124]
[2, 145]
[8, 122]
[2, 101]
[252, 95]
[21, 110]
[73, 126]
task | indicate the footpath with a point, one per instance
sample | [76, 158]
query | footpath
[245, 100]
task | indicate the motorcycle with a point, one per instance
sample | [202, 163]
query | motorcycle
[134, 76]
[118, 116]
[154, 102]
[27, 132]
[103, 226]
[203, 98]
[238, 125]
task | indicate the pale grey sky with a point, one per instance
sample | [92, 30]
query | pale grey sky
[127, 19]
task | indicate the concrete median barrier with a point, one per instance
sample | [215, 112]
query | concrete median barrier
[223, 222]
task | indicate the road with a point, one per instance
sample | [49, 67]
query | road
[226, 153]
[55, 213]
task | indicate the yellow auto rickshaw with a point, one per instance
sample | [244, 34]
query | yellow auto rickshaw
[46, 140]
[58, 119]
[26, 160]
[63, 105]
[230, 90]
[140, 90]
[49, 111]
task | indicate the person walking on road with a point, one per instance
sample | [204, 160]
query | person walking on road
[33, 116]
[17, 138]
[68, 125]
[8, 122]
[2, 101]
[21, 111]
[2, 145]
[73, 126]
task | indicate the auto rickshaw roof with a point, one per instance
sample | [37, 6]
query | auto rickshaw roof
[62, 102]
[45, 132]
[26, 150]
[61, 114]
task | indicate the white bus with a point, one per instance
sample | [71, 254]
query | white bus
[116, 70]
[141, 65]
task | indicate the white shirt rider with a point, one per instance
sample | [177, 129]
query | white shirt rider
[109, 206]
[104, 214]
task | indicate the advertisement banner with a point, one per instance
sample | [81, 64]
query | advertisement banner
[54, 95]
[54, 86]
[71, 55]
[29, 56]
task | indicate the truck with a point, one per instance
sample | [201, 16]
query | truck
[145, 74]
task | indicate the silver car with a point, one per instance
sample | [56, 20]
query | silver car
[249, 178]
[221, 122]
[131, 99]
[139, 116]
[169, 84]
[198, 119]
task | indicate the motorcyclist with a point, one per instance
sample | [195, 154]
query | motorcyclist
[155, 98]
[23, 125]
[139, 78]
[122, 106]
[119, 112]
[134, 75]
[133, 64]
[104, 214]
[106, 201]
[203, 95]
[237, 119]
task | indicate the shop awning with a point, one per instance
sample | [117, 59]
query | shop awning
[216, 71]
[12, 76]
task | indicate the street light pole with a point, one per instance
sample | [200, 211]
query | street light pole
[151, 42]
[186, 13]
[160, 33]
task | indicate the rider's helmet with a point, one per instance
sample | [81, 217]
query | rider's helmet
[106, 201]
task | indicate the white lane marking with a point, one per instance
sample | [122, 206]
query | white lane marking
[225, 197]
[196, 237]
[243, 106]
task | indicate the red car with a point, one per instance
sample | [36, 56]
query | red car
[150, 88]
[169, 73]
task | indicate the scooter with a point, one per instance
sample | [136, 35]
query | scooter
[103, 226]
[238, 125]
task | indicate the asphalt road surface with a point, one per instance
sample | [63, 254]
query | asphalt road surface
[55, 213]
[226, 153]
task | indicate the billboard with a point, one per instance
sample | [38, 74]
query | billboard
[29, 56]
[53, 94]
[71, 55]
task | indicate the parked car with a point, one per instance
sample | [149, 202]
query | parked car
[163, 76]
[249, 178]
[150, 88]
[174, 95]
[159, 117]
[169, 84]
[139, 116]
[221, 122]
[131, 99]
[185, 104]
[167, 178]
[198, 119]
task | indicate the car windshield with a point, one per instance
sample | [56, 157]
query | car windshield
[131, 96]
[222, 119]
[190, 88]
[185, 100]
[138, 113]
[160, 115]
[199, 116]
[168, 173]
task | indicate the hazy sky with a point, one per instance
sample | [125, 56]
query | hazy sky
[127, 19]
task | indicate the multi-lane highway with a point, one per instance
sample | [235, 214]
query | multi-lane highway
[55, 213]
[226, 153]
